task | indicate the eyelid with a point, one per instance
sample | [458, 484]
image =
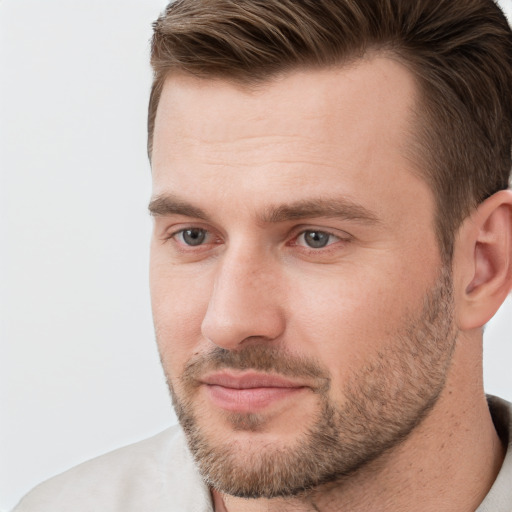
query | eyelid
[330, 250]
[213, 237]
[181, 236]
[171, 233]
[182, 251]
[331, 239]
[341, 235]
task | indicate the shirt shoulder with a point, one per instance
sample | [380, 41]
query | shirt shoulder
[156, 474]
[499, 498]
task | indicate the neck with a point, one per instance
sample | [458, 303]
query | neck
[452, 457]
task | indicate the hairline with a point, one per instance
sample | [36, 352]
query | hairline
[419, 122]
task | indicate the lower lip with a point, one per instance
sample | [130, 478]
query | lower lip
[248, 400]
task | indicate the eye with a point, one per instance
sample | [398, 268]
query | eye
[316, 239]
[191, 236]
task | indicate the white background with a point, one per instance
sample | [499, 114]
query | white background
[79, 371]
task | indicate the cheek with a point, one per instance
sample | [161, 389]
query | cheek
[179, 303]
[350, 318]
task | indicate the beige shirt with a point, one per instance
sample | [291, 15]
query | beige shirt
[159, 475]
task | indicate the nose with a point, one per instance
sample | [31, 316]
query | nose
[245, 301]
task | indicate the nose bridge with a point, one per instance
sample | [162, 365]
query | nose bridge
[244, 302]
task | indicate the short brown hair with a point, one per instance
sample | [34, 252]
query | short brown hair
[460, 52]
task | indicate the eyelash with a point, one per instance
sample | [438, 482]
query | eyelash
[184, 247]
[181, 245]
[317, 232]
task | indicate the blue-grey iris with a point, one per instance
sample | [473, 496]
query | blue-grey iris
[194, 236]
[316, 239]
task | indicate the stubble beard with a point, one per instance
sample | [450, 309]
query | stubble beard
[383, 403]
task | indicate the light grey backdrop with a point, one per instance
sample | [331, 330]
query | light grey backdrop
[79, 371]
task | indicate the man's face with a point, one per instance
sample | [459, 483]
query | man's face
[302, 312]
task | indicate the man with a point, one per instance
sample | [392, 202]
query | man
[333, 229]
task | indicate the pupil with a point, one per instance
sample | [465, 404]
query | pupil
[194, 236]
[316, 239]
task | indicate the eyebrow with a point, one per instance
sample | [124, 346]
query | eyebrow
[321, 207]
[311, 208]
[161, 206]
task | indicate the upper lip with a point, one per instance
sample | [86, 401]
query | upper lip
[248, 380]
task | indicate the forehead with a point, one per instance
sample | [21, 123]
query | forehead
[367, 94]
[342, 130]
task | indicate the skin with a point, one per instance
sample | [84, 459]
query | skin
[337, 135]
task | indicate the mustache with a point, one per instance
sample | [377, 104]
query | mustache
[261, 358]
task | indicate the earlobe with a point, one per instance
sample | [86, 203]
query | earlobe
[488, 246]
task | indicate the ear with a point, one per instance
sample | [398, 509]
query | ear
[483, 261]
